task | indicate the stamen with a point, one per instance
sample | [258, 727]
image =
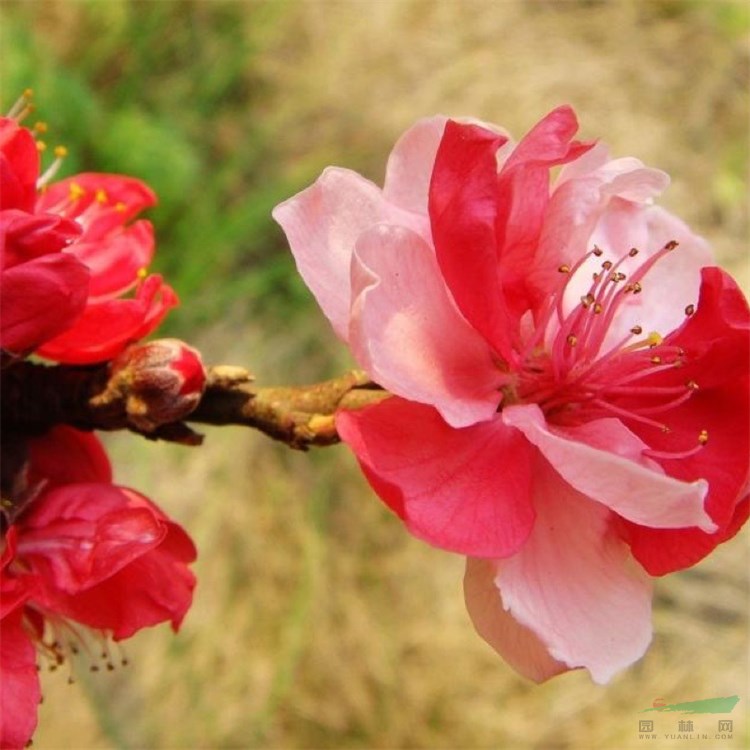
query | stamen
[60, 153]
[22, 106]
[674, 455]
[690, 310]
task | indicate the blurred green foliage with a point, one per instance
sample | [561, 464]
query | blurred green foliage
[166, 91]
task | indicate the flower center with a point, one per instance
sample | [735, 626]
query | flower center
[570, 368]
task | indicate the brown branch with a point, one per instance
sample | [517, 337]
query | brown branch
[36, 397]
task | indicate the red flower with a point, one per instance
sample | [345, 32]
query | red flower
[42, 289]
[83, 551]
[78, 251]
[540, 424]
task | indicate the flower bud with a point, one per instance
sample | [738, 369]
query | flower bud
[163, 379]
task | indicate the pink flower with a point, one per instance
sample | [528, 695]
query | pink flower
[81, 552]
[570, 404]
[69, 255]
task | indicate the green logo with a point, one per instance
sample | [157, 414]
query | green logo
[706, 706]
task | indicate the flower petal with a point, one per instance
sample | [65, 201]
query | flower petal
[105, 328]
[78, 535]
[322, 224]
[463, 209]
[98, 201]
[576, 207]
[64, 455]
[464, 490]
[602, 459]
[20, 693]
[409, 170]
[516, 644]
[19, 166]
[717, 357]
[40, 299]
[408, 335]
[117, 258]
[575, 585]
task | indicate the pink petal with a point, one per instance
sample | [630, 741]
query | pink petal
[516, 644]
[671, 285]
[464, 490]
[20, 693]
[40, 299]
[409, 336]
[409, 170]
[322, 224]
[602, 459]
[575, 208]
[574, 584]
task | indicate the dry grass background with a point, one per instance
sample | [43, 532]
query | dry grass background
[318, 622]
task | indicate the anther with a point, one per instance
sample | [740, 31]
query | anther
[564, 268]
[692, 385]
[75, 191]
[120, 207]
[588, 300]
[101, 196]
[656, 360]
[637, 288]
[41, 146]
[654, 339]
[689, 310]
[598, 309]
[636, 330]
[597, 251]
[633, 252]
[671, 245]
[40, 127]
[572, 340]
[607, 265]
[703, 437]
[60, 152]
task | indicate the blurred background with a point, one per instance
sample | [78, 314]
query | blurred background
[318, 622]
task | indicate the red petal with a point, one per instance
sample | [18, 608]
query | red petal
[106, 328]
[121, 200]
[465, 490]
[78, 535]
[40, 299]
[117, 258]
[20, 693]
[463, 211]
[19, 166]
[523, 194]
[26, 236]
[717, 347]
[65, 456]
